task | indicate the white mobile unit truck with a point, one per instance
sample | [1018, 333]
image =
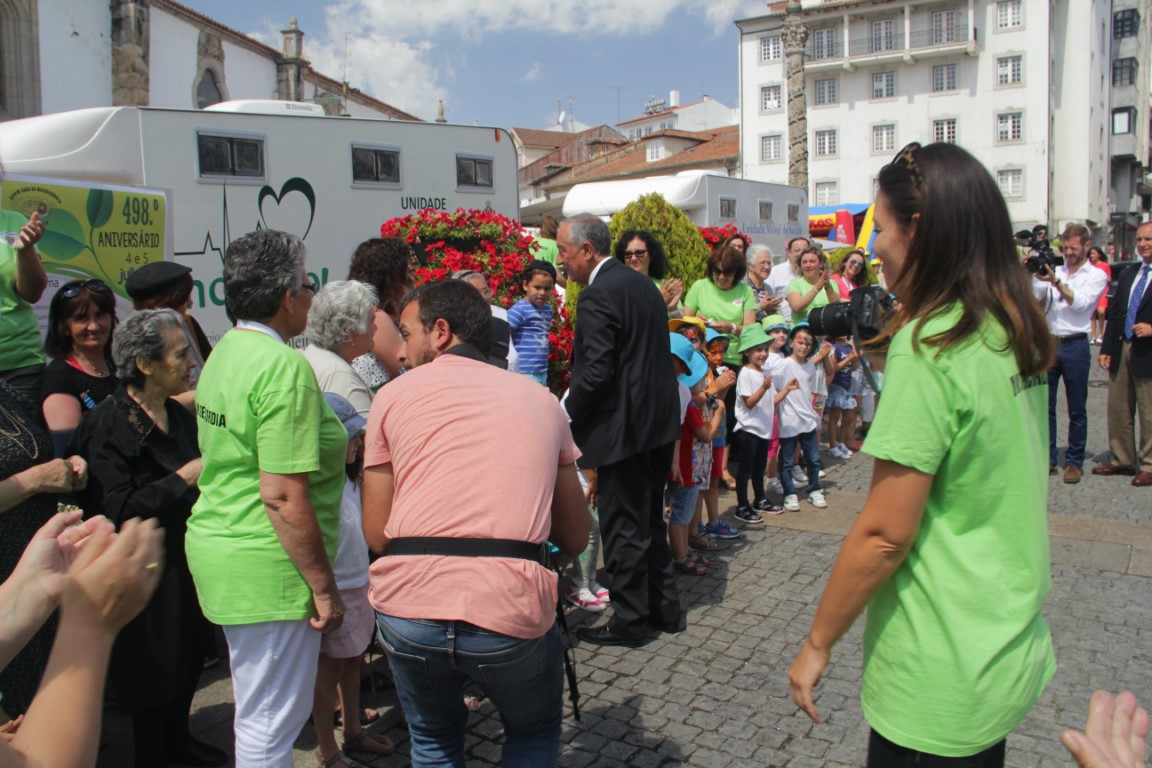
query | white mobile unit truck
[281, 165]
[768, 213]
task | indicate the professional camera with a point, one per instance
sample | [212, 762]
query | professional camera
[1043, 258]
[861, 317]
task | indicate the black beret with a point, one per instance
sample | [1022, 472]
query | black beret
[153, 278]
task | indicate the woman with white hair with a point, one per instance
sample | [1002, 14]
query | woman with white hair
[341, 324]
[759, 268]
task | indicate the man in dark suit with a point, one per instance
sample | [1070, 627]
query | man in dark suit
[1126, 353]
[624, 406]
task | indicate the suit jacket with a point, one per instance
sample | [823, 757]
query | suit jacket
[623, 398]
[1141, 358]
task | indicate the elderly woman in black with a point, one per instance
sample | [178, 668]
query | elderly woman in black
[144, 463]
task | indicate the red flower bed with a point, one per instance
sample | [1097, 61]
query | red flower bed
[716, 235]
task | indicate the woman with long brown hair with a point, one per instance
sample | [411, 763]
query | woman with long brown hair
[950, 553]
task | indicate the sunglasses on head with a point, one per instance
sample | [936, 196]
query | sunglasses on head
[75, 289]
[906, 158]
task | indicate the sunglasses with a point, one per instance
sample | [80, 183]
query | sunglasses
[906, 158]
[725, 272]
[855, 263]
[633, 255]
[73, 290]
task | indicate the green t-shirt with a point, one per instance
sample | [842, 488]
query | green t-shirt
[548, 250]
[802, 287]
[258, 407]
[18, 326]
[956, 649]
[729, 306]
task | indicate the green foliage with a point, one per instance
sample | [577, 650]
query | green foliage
[685, 248]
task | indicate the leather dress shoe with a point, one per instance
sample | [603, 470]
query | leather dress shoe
[1072, 474]
[1113, 469]
[197, 754]
[669, 627]
[605, 635]
[1142, 479]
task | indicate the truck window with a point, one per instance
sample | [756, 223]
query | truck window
[472, 171]
[230, 155]
[727, 207]
[793, 213]
[765, 210]
[375, 165]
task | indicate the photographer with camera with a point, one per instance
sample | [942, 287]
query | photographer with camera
[1068, 293]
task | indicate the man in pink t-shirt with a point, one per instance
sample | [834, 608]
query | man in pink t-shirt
[468, 469]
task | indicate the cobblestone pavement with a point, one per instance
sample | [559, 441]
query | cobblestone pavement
[716, 695]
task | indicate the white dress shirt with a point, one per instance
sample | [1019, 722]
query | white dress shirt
[1086, 284]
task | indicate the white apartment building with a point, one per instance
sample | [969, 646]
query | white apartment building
[669, 114]
[1027, 86]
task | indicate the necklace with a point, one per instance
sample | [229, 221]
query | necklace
[88, 367]
[19, 428]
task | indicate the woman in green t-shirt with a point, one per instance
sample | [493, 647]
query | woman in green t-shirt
[814, 288]
[723, 299]
[950, 552]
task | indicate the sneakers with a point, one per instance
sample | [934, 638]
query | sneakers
[776, 486]
[748, 516]
[838, 453]
[722, 530]
[600, 592]
[767, 507]
[816, 499]
[792, 502]
[584, 598]
[799, 475]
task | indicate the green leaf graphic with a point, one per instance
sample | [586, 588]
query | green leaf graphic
[99, 207]
[58, 247]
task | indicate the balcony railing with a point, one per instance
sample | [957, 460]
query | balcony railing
[887, 42]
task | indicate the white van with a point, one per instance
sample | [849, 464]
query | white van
[281, 165]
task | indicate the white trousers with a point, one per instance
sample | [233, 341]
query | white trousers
[273, 679]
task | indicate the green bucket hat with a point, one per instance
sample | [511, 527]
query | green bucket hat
[772, 322]
[752, 336]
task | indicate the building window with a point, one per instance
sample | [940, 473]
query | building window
[826, 143]
[943, 27]
[1009, 127]
[826, 91]
[944, 130]
[1011, 182]
[884, 138]
[771, 148]
[827, 193]
[376, 165]
[944, 77]
[653, 151]
[765, 208]
[1124, 72]
[474, 171]
[884, 85]
[824, 43]
[727, 207]
[230, 155]
[1125, 23]
[793, 213]
[769, 98]
[1009, 70]
[770, 48]
[1124, 120]
[1009, 14]
[884, 35]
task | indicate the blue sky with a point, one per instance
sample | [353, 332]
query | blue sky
[508, 62]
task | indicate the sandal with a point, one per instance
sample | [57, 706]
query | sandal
[686, 566]
[367, 717]
[368, 744]
[703, 543]
[338, 760]
[697, 558]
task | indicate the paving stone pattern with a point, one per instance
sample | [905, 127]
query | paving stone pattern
[716, 695]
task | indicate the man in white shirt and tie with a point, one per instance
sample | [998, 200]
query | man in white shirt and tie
[1126, 353]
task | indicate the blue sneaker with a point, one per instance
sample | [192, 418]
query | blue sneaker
[722, 530]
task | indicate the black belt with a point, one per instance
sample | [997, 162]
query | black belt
[1071, 337]
[454, 547]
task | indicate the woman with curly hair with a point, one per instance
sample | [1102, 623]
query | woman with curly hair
[643, 252]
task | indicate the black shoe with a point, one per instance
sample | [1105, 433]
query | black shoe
[669, 627]
[604, 635]
[197, 754]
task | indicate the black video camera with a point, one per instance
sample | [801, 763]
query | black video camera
[1043, 258]
[862, 317]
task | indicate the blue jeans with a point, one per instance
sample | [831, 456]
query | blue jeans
[1073, 363]
[432, 660]
[810, 447]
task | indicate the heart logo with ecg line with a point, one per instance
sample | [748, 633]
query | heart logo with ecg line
[291, 212]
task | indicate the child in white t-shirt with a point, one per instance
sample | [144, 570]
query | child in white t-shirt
[755, 418]
[799, 422]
